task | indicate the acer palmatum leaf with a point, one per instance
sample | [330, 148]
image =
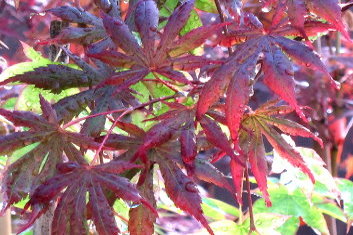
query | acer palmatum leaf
[237, 172]
[142, 220]
[123, 37]
[291, 128]
[71, 106]
[296, 13]
[83, 36]
[173, 74]
[159, 134]
[75, 15]
[284, 149]
[304, 55]
[55, 78]
[188, 145]
[26, 119]
[95, 125]
[279, 77]
[238, 95]
[194, 39]
[182, 190]
[214, 88]
[207, 172]
[258, 164]
[330, 11]
[175, 23]
[191, 62]
[80, 180]
[216, 136]
[48, 112]
[113, 58]
[131, 129]
[279, 12]
[146, 20]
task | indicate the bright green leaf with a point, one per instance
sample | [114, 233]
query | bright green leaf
[29, 98]
[296, 204]
[217, 209]
[193, 22]
[206, 5]
[346, 188]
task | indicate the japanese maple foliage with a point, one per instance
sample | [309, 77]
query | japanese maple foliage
[83, 170]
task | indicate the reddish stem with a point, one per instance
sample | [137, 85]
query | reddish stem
[252, 221]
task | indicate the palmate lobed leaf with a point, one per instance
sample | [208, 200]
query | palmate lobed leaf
[25, 174]
[297, 10]
[234, 78]
[182, 191]
[257, 124]
[69, 216]
[142, 219]
[55, 78]
[165, 57]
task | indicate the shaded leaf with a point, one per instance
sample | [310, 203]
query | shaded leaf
[142, 220]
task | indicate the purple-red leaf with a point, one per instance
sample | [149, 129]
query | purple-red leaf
[142, 220]
[114, 58]
[304, 56]
[80, 180]
[194, 39]
[296, 12]
[291, 128]
[173, 75]
[216, 136]
[26, 119]
[188, 145]
[76, 15]
[238, 95]
[213, 89]
[207, 172]
[237, 172]
[146, 20]
[330, 11]
[175, 23]
[278, 76]
[48, 112]
[182, 190]
[56, 78]
[285, 150]
[122, 36]
[257, 159]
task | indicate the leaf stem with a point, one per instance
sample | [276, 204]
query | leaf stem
[127, 111]
[95, 158]
[252, 221]
[225, 27]
[73, 122]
